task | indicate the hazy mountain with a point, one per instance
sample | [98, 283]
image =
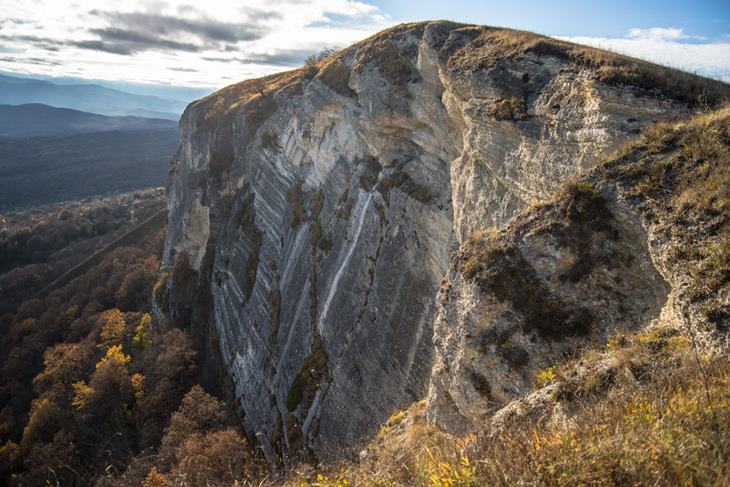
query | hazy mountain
[86, 97]
[46, 169]
[183, 94]
[38, 119]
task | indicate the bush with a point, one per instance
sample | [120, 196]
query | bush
[321, 55]
[269, 140]
[513, 108]
[155, 479]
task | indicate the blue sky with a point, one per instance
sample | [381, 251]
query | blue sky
[574, 17]
[217, 42]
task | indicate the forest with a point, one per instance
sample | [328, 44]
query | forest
[94, 390]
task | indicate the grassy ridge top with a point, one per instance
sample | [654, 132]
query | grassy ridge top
[471, 48]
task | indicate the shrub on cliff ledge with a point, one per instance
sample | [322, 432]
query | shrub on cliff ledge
[336, 75]
[509, 109]
[269, 140]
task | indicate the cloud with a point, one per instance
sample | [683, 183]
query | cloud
[30, 60]
[104, 47]
[660, 34]
[671, 47]
[132, 32]
[205, 29]
[123, 41]
[213, 41]
[286, 57]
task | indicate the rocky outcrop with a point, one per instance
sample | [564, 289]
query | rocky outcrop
[558, 278]
[641, 241]
[318, 209]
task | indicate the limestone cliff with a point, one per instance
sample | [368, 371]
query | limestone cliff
[312, 215]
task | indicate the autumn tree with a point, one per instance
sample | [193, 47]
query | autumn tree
[143, 333]
[171, 374]
[214, 458]
[46, 418]
[55, 462]
[112, 325]
[199, 412]
[63, 364]
[110, 386]
[136, 287]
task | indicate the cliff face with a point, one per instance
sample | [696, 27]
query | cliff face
[318, 209]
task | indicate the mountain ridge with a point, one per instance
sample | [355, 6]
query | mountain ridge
[86, 97]
[39, 119]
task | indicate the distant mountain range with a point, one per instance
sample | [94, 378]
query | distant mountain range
[65, 141]
[38, 119]
[87, 97]
[163, 90]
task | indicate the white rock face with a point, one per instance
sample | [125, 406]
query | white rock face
[326, 246]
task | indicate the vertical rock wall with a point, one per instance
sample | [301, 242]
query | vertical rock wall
[323, 205]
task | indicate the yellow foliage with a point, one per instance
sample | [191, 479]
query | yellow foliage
[112, 325]
[155, 479]
[396, 417]
[325, 481]
[545, 376]
[616, 342]
[115, 353]
[678, 342]
[652, 339]
[445, 474]
[81, 394]
[393, 420]
[137, 380]
[142, 335]
[640, 412]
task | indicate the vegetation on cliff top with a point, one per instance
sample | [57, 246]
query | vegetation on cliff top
[467, 48]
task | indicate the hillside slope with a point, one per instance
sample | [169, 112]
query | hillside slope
[47, 169]
[312, 214]
[38, 119]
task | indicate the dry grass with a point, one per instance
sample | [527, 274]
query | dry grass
[408, 451]
[336, 74]
[680, 174]
[228, 99]
[668, 431]
[663, 428]
[490, 46]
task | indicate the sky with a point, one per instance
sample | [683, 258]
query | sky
[215, 43]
